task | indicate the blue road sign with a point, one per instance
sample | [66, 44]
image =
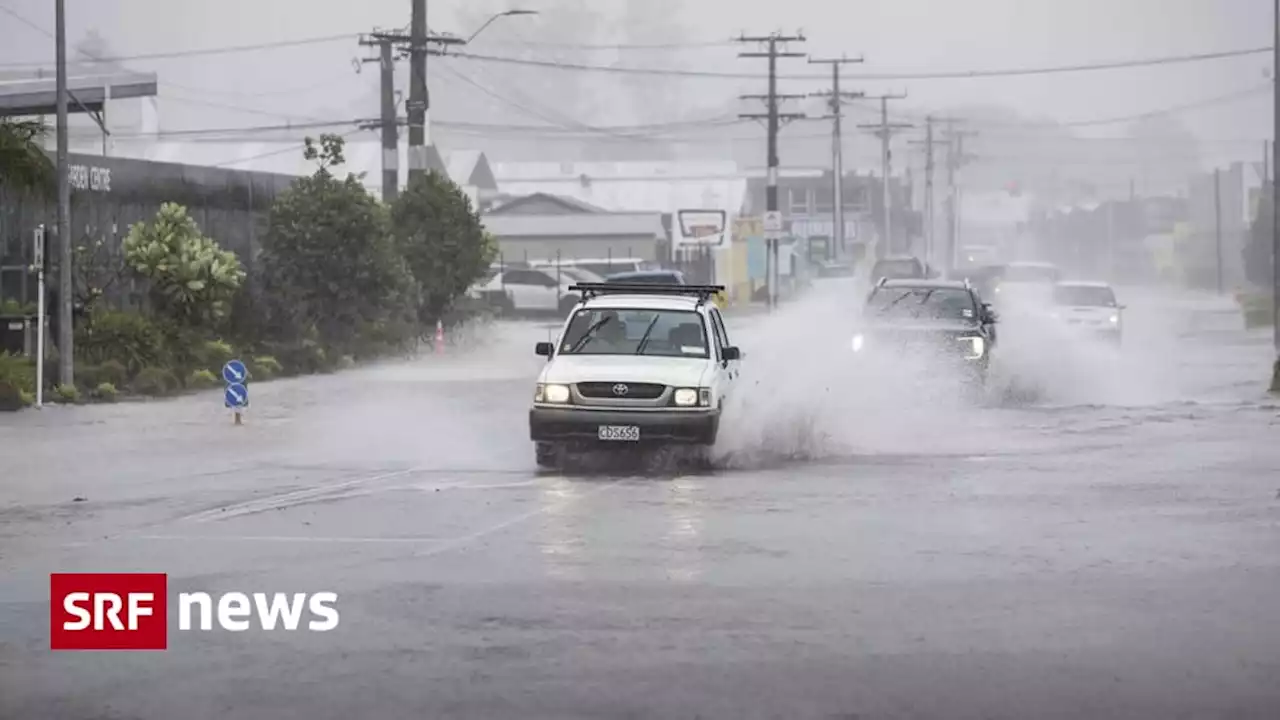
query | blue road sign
[234, 372]
[236, 396]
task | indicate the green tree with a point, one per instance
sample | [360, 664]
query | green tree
[442, 241]
[24, 166]
[192, 280]
[330, 271]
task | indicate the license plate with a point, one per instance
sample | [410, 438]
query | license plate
[626, 433]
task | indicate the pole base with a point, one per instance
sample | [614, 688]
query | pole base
[1275, 377]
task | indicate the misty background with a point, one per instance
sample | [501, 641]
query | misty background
[1072, 136]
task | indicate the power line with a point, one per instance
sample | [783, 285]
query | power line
[689, 45]
[195, 52]
[273, 153]
[966, 74]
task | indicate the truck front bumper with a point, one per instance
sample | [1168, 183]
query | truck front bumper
[582, 426]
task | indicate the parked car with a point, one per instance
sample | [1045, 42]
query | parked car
[529, 290]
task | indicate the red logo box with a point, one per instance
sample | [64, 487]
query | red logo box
[108, 611]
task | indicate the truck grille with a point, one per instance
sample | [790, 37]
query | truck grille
[608, 390]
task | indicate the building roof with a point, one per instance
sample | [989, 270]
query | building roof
[571, 205]
[593, 225]
[662, 187]
[471, 167]
[39, 96]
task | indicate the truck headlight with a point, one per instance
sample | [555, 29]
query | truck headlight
[551, 393]
[686, 397]
[1115, 319]
[857, 342]
[977, 346]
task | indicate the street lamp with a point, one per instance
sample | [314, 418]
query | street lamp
[490, 21]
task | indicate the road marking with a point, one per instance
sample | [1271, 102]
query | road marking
[465, 540]
[293, 497]
[285, 539]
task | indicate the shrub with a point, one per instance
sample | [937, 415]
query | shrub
[17, 380]
[128, 338]
[192, 279]
[302, 358]
[26, 399]
[214, 354]
[346, 362]
[155, 381]
[202, 379]
[111, 371]
[105, 392]
[67, 393]
[264, 367]
[328, 262]
[442, 240]
[10, 307]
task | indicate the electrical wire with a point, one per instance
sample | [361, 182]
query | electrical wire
[281, 151]
[966, 74]
[194, 52]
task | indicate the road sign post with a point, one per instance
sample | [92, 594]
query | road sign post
[236, 394]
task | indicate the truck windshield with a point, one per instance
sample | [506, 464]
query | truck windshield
[923, 303]
[622, 331]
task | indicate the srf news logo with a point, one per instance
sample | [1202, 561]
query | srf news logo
[129, 611]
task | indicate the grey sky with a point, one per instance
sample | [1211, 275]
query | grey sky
[903, 35]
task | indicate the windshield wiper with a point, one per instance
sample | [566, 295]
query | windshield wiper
[644, 339]
[896, 300]
[927, 294]
[582, 341]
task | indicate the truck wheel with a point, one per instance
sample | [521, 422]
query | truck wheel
[548, 456]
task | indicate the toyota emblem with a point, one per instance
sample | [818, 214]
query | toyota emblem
[620, 390]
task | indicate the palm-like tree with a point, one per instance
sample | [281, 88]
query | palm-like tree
[24, 166]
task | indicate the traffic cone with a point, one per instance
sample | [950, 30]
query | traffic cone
[439, 337]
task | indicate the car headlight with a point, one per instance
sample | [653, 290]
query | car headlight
[977, 346]
[857, 342]
[1115, 319]
[686, 397]
[551, 393]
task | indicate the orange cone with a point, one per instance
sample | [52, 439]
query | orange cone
[439, 337]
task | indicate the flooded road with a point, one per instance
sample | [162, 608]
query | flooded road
[1101, 540]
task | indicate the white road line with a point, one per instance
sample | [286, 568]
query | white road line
[293, 497]
[442, 545]
[523, 517]
[284, 539]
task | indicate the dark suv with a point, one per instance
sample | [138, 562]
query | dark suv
[942, 316]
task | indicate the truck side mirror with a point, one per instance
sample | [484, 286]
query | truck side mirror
[544, 349]
[730, 352]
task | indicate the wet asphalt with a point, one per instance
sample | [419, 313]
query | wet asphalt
[1103, 544]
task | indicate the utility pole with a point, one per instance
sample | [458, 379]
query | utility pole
[837, 150]
[774, 119]
[956, 159]
[1275, 196]
[928, 188]
[388, 122]
[66, 333]
[1217, 228]
[419, 106]
[884, 130]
